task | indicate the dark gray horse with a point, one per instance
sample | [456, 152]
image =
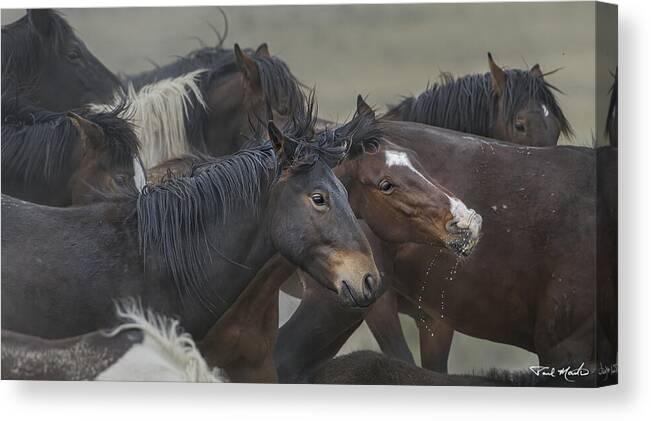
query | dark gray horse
[187, 247]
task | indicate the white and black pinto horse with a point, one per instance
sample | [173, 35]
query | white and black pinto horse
[145, 347]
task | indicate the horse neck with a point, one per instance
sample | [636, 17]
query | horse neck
[243, 248]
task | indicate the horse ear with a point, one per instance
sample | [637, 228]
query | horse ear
[498, 77]
[536, 71]
[263, 50]
[247, 66]
[89, 132]
[363, 108]
[41, 20]
[277, 138]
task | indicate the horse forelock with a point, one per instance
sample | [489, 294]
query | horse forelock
[174, 216]
[120, 135]
[522, 87]
[159, 112]
[362, 134]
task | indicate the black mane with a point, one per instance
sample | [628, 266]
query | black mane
[121, 140]
[305, 146]
[37, 144]
[23, 49]
[467, 103]
[173, 215]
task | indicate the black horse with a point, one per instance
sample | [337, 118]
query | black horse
[62, 159]
[45, 61]
[187, 247]
[516, 106]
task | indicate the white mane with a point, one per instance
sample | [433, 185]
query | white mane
[166, 353]
[158, 111]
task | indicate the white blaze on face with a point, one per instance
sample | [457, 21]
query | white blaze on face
[401, 159]
[464, 217]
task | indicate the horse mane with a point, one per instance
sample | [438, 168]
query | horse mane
[362, 134]
[467, 103]
[23, 49]
[161, 112]
[122, 142]
[36, 143]
[305, 146]
[173, 215]
[282, 89]
[168, 340]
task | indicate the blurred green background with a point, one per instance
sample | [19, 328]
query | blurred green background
[383, 51]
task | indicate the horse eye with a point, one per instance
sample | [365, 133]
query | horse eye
[318, 199]
[519, 126]
[386, 186]
[74, 55]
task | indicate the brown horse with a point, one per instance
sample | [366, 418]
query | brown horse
[517, 106]
[210, 101]
[389, 189]
[523, 286]
[62, 159]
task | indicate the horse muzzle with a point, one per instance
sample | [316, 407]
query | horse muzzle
[464, 230]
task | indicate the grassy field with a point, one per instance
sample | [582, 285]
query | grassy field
[383, 51]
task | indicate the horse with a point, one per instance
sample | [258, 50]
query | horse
[187, 247]
[372, 368]
[145, 346]
[514, 105]
[522, 285]
[64, 158]
[209, 101]
[486, 105]
[43, 58]
[388, 189]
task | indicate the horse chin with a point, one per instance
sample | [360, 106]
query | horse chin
[462, 246]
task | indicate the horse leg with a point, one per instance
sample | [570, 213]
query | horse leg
[435, 342]
[243, 341]
[382, 319]
[314, 333]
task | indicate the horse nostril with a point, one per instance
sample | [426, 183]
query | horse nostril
[368, 286]
[452, 226]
